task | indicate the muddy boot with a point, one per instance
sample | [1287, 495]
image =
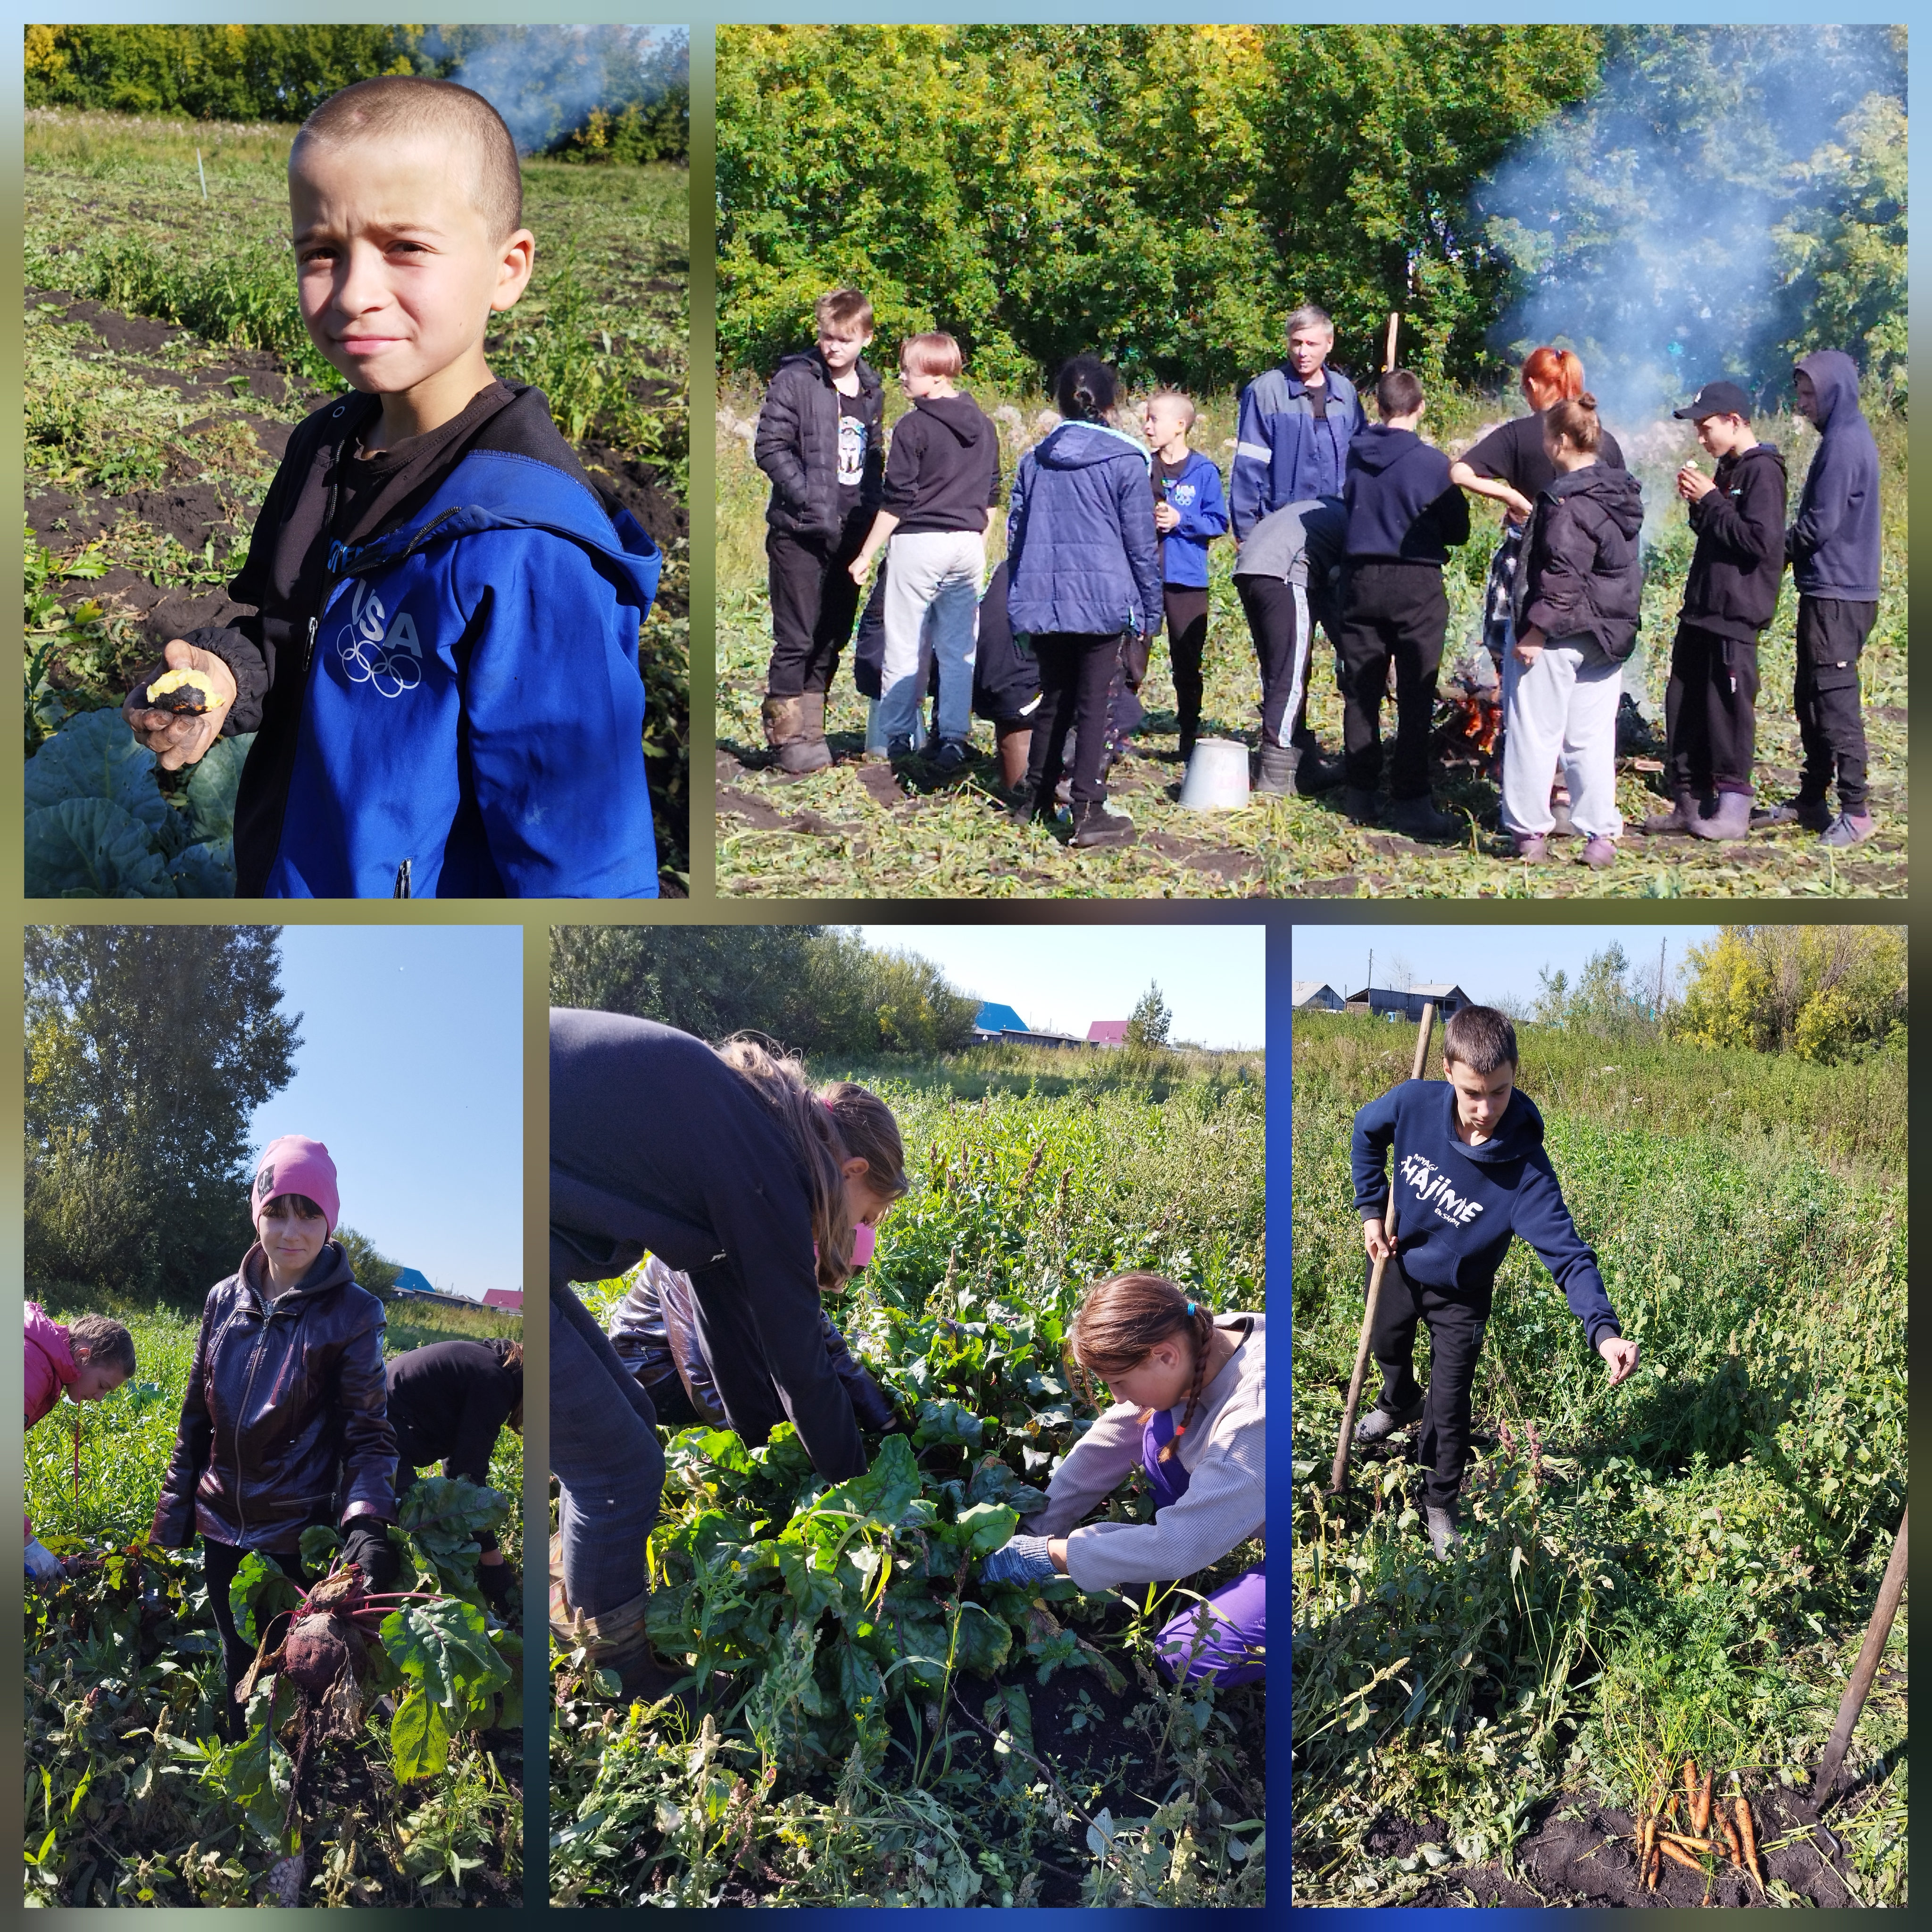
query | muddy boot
[1315, 774]
[1730, 819]
[795, 729]
[1684, 813]
[1095, 825]
[1417, 818]
[1278, 764]
[1814, 814]
[1848, 828]
[1380, 1423]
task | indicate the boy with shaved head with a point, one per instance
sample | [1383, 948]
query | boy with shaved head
[440, 668]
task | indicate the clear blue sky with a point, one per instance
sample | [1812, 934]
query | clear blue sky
[1488, 963]
[411, 1071]
[1060, 978]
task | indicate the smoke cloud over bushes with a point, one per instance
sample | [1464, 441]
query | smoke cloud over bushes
[1711, 208]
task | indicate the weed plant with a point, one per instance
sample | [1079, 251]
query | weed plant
[838, 837]
[870, 1720]
[1686, 1563]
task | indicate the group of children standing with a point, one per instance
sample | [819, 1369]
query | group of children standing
[1337, 521]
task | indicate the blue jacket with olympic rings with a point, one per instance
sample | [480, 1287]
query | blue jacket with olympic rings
[461, 709]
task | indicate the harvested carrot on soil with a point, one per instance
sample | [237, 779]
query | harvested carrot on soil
[1670, 1849]
[1695, 1844]
[1700, 1811]
[1730, 1832]
[1747, 1832]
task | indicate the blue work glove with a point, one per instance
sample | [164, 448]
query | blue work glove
[1023, 1560]
[42, 1563]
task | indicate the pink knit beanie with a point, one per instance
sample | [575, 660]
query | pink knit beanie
[296, 1164]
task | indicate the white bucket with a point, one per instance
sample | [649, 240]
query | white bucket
[1217, 776]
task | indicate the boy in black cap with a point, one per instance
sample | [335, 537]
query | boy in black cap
[1403, 513]
[1709, 706]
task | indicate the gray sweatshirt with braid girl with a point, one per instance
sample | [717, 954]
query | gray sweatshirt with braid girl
[1224, 1454]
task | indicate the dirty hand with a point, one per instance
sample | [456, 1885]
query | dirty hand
[176, 739]
[1375, 1240]
[42, 1563]
[1620, 1354]
[1529, 646]
[860, 568]
[1692, 485]
[1165, 516]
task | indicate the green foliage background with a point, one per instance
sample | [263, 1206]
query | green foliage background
[1165, 195]
[641, 91]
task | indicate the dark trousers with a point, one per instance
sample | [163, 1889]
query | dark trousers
[1398, 611]
[1710, 711]
[1186, 606]
[219, 1563]
[1831, 633]
[815, 603]
[1457, 1319]
[604, 1453]
[1277, 614]
[1076, 675]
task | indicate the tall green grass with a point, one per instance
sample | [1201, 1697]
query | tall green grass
[1694, 1553]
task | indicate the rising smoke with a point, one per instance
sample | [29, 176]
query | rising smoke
[544, 81]
[1649, 223]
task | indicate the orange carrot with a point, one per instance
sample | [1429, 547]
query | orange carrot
[1700, 1808]
[1730, 1832]
[1695, 1844]
[1690, 1779]
[1668, 1847]
[1644, 1827]
[1747, 1832]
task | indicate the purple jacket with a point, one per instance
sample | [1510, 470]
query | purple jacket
[1083, 557]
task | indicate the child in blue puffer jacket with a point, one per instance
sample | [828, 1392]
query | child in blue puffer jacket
[1083, 583]
[440, 665]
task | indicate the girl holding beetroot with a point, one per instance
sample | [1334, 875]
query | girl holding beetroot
[286, 1408]
[1190, 1412]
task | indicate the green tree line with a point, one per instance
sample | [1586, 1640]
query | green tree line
[813, 989]
[1166, 195]
[590, 93]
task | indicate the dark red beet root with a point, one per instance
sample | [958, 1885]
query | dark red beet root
[319, 1650]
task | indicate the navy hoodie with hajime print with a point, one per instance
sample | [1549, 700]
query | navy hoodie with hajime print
[1458, 1206]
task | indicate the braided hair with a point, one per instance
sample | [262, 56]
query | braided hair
[1121, 1321]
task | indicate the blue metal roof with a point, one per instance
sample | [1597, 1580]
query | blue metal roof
[994, 1018]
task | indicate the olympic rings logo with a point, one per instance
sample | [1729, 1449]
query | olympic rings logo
[384, 655]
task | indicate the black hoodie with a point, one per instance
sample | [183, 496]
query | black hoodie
[943, 471]
[1834, 544]
[797, 445]
[1731, 591]
[1401, 505]
[1582, 568]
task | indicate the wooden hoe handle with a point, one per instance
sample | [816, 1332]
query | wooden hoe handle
[1338, 1477]
[1859, 1688]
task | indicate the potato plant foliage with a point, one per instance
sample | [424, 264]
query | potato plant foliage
[133, 1798]
[865, 1708]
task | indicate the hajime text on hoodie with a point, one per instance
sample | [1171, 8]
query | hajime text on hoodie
[1433, 1190]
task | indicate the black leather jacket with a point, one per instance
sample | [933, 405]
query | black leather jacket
[285, 1405]
[654, 1331]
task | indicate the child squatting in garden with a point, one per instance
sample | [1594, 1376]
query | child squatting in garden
[88, 1360]
[1190, 1412]
[286, 1407]
[1471, 1174]
[439, 664]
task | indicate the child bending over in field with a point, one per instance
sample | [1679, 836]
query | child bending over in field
[440, 665]
[729, 1165]
[285, 1405]
[1190, 1412]
[1469, 1162]
[89, 1359]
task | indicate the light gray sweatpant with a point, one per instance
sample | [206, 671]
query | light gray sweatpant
[931, 609]
[1563, 706]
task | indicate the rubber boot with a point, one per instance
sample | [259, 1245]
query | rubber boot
[1095, 825]
[795, 729]
[1360, 806]
[1315, 774]
[1687, 809]
[1278, 766]
[1417, 818]
[1381, 1422]
[1730, 819]
[616, 1641]
[1444, 1536]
